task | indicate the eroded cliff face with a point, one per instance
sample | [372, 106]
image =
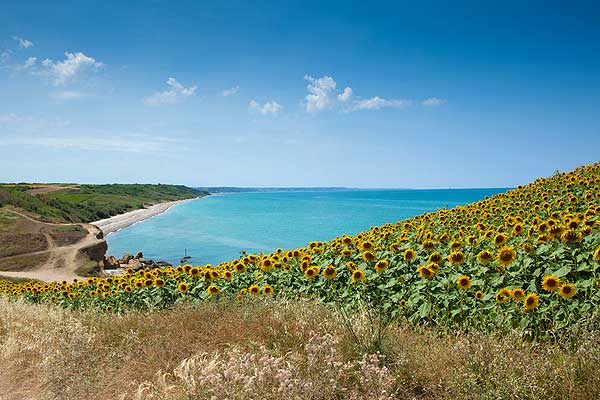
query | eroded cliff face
[95, 251]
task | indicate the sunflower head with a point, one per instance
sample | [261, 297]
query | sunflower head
[500, 239]
[484, 257]
[426, 272]
[456, 257]
[531, 301]
[213, 290]
[435, 258]
[311, 272]
[464, 282]
[159, 282]
[254, 289]
[183, 288]
[550, 283]
[381, 265]
[329, 272]
[409, 254]
[517, 294]
[479, 295]
[567, 290]
[267, 290]
[506, 256]
[358, 275]
[597, 254]
[369, 256]
[570, 236]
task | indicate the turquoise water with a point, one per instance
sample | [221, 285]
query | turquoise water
[216, 228]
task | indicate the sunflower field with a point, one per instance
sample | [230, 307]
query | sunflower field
[528, 258]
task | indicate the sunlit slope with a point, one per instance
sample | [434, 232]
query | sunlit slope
[526, 258]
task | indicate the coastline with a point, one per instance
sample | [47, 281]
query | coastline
[118, 222]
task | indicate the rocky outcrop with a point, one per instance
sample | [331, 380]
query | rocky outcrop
[96, 251]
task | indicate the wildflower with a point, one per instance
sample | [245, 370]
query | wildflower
[381, 265]
[464, 282]
[550, 283]
[531, 301]
[567, 290]
[506, 256]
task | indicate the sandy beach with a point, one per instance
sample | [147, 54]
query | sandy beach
[118, 222]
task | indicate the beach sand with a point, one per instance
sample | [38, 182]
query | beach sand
[113, 224]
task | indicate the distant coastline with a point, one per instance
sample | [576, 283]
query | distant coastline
[118, 222]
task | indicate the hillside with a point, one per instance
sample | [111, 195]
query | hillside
[87, 203]
[43, 230]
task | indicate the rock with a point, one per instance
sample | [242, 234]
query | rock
[125, 259]
[135, 264]
[139, 255]
[96, 251]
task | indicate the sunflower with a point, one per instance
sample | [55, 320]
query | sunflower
[266, 265]
[500, 239]
[128, 289]
[517, 294]
[109, 309]
[368, 256]
[139, 284]
[346, 252]
[329, 272]
[148, 282]
[455, 245]
[183, 288]
[531, 301]
[267, 290]
[464, 282]
[227, 275]
[550, 283]
[213, 290]
[351, 266]
[485, 257]
[570, 236]
[435, 267]
[428, 245]
[597, 254]
[409, 254]
[239, 267]
[529, 248]
[381, 265]
[503, 295]
[311, 272]
[357, 275]
[402, 303]
[479, 295]
[435, 258]
[425, 272]
[506, 256]
[254, 289]
[347, 240]
[366, 246]
[159, 283]
[456, 257]
[567, 290]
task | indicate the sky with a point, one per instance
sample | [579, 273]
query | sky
[298, 93]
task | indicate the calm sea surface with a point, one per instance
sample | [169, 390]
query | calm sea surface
[216, 228]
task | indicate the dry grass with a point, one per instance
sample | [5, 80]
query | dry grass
[272, 350]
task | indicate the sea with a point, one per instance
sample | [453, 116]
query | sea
[218, 227]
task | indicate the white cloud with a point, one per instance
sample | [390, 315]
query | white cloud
[270, 107]
[23, 43]
[176, 93]
[231, 91]
[320, 90]
[131, 144]
[375, 103]
[68, 69]
[345, 95]
[433, 101]
[30, 62]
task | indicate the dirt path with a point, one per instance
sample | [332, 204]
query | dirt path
[62, 262]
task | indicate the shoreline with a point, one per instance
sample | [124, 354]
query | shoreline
[116, 223]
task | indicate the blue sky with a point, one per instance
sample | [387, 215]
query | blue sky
[298, 93]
